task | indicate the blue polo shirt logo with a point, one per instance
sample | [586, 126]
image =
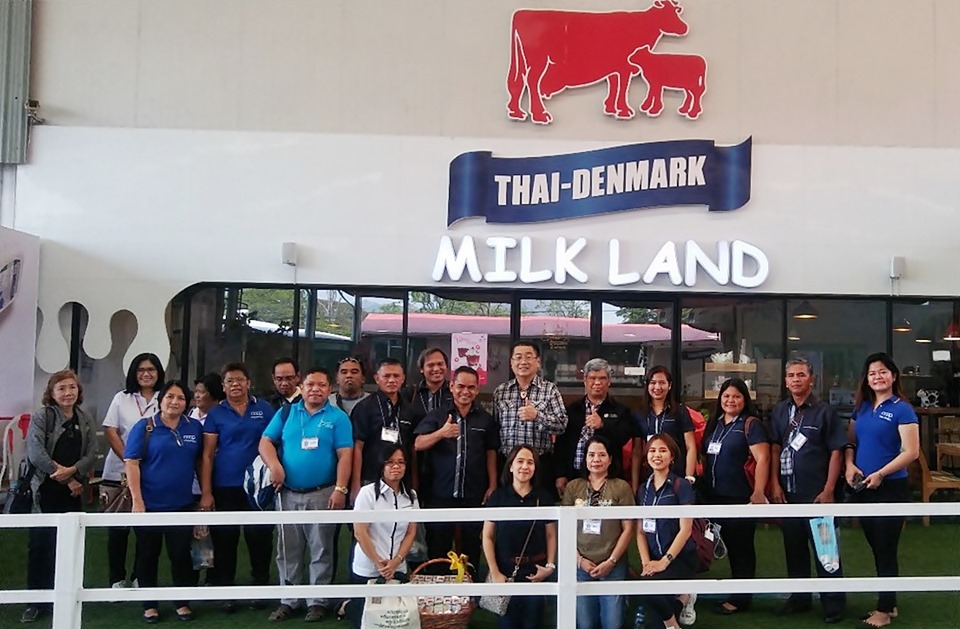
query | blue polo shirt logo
[886, 416]
[189, 438]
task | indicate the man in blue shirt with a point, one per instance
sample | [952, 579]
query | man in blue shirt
[309, 457]
[231, 434]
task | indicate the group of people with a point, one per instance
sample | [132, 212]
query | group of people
[328, 445]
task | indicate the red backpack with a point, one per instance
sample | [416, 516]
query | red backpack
[703, 534]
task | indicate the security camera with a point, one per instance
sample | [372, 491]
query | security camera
[33, 112]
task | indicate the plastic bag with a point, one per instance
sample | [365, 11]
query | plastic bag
[201, 548]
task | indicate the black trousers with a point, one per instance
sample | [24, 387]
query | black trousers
[662, 607]
[797, 542]
[42, 542]
[440, 535]
[149, 542]
[227, 538]
[737, 534]
[883, 534]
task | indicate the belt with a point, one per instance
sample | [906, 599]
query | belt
[308, 489]
[528, 558]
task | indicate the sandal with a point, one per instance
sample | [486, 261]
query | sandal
[342, 609]
[892, 614]
[871, 625]
[151, 619]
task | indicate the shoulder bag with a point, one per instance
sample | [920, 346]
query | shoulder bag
[122, 500]
[498, 603]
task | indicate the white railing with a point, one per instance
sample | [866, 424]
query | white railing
[69, 594]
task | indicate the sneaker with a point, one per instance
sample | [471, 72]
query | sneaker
[135, 584]
[120, 585]
[281, 613]
[31, 614]
[315, 613]
[688, 615]
[228, 607]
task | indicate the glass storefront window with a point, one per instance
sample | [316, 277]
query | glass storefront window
[925, 358]
[326, 327]
[836, 335]
[731, 338]
[473, 332]
[381, 331]
[561, 327]
[635, 336]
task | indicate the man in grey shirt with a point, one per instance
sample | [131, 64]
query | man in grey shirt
[350, 378]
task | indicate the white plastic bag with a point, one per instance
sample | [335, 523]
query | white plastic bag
[390, 612]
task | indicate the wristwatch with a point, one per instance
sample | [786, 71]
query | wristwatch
[668, 557]
[692, 479]
[550, 566]
[342, 490]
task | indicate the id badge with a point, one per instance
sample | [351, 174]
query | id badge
[714, 447]
[389, 435]
[649, 525]
[309, 443]
[798, 441]
[591, 527]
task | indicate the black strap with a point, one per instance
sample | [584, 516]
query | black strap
[523, 551]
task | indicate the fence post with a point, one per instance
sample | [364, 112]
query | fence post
[566, 569]
[71, 545]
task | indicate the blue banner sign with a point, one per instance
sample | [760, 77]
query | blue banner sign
[616, 179]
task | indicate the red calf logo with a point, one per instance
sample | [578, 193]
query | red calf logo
[551, 51]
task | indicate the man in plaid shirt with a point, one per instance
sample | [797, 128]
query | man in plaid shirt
[530, 410]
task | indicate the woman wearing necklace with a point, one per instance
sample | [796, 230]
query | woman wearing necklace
[664, 544]
[137, 400]
[161, 459]
[660, 414]
[601, 544]
[732, 435]
[521, 550]
[885, 439]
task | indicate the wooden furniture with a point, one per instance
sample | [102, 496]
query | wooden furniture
[747, 371]
[932, 480]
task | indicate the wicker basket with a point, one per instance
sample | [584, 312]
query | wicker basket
[442, 612]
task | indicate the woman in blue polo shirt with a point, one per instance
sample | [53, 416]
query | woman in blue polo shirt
[664, 544]
[733, 433]
[161, 459]
[660, 414]
[885, 439]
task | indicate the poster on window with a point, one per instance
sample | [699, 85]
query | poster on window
[19, 280]
[470, 350]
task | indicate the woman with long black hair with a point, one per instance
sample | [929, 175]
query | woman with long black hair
[659, 414]
[884, 440]
[733, 434]
[137, 400]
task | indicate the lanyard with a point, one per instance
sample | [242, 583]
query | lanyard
[657, 495]
[390, 416]
[796, 423]
[143, 409]
[658, 421]
[726, 431]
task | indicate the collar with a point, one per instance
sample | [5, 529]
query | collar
[251, 400]
[810, 402]
[534, 384]
[586, 400]
[422, 387]
[158, 422]
[302, 404]
[383, 397]
[296, 394]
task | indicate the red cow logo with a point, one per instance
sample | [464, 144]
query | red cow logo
[551, 51]
[687, 73]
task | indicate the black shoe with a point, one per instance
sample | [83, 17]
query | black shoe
[228, 607]
[31, 614]
[793, 606]
[833, 618]
[152, 620]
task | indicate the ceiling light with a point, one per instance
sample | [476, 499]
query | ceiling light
[792, 335]
[902, 326]
[952, 332]
[805, 310]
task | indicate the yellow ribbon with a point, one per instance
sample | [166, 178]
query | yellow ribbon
[458, 564]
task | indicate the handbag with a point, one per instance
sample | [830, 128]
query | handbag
[20, 497]
[119, 499]
[750, 466]
[390, 612]
[498, 603]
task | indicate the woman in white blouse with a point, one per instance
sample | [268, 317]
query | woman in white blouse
[382, 547]
[137, 400]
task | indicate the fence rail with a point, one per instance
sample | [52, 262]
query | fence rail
[69, 594]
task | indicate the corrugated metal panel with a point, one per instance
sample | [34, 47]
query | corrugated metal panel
[16, 17]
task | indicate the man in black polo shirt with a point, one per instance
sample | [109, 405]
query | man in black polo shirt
[807, 439]
[379, 419]
[463, 440]
[431, 393]
[596, 413]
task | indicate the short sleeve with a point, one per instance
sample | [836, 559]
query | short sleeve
[492, 438]
[568, 494]
[342, 431]
[495, 499]
[776, 435]
[361, 423]
[428, 424]
[274, 430]
[686, 422]
[112, 418]
[685, 495]
[836, 430]
[757, 432]
[135, 441]
[365, 499]
[906, 415]
[626, 498]
[210, 426]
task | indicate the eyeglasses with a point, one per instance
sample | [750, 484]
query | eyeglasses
[147, 370]
[395, 464]
[230, 381]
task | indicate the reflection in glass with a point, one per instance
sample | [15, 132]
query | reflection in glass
[381, 331]
[925, 380]
[562, 329]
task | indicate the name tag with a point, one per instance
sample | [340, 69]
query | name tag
[389, 435]
[591, 527]
[309, 443]
[798, 441]
[714, 447]
[649, 525]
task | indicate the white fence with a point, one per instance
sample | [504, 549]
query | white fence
[69, 594]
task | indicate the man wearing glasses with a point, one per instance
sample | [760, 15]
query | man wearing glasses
[286, 383]
[231, 436]
[530, 410]
[309, 457]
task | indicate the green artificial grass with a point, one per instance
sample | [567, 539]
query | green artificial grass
[923, 552]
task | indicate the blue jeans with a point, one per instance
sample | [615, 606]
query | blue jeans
[603, 612]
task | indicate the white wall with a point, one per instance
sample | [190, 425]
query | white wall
[833, 72]
[18, 323]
